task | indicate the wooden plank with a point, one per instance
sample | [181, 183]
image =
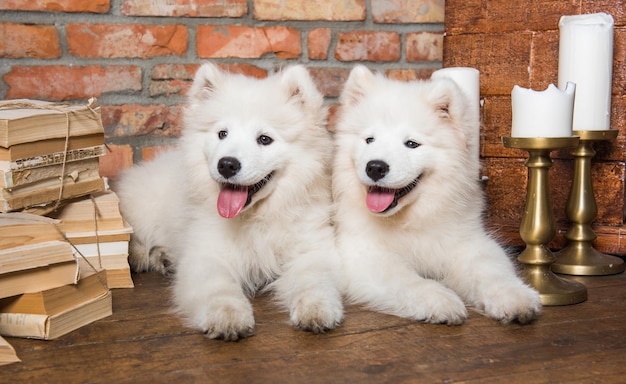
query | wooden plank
[144, 342]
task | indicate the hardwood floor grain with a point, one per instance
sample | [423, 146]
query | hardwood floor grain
[143, 342]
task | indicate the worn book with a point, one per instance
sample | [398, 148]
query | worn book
[113, 257]
[7, 353]
[103, 248]
[34, 255]
[20, 153]
[24, 121]
[48, 175]
[39, 278]
[107, 251]
[94, 225]
[52, 325]
[53, 158]
[28, 197]
[115, 267]
[20, 229]
[29, 256]
[99, 211]
[56, 300]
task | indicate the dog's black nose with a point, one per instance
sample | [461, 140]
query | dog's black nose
[228, 166]
[376, 169]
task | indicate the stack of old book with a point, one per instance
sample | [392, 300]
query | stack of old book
[48, 152]
[49, 165]
[63, 241]
[42, 294]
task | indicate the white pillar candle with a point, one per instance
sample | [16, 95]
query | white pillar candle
[543, 114]
[468, 79]
[586, 58]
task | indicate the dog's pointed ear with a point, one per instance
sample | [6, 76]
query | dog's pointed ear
[207, 78]
[452, 106]
[447, 98]
[298, 84]
[359, 82]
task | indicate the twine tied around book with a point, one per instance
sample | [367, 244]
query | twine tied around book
[59, 107]
[96, 214]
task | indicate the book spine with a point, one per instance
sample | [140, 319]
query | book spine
[53, 158]
[24, 325]
[50, 195]
[30, 176]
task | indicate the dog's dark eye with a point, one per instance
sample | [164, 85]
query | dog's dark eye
[222, 134]
[369, 140]
[264, 140]
[411, 144]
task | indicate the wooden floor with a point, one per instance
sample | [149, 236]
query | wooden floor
[143, 343]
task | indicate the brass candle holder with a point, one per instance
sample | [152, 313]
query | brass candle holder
[537, 228]
[579, 257]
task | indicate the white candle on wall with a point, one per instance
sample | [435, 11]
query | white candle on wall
[468, 79]
[543, 114]
[586, 58]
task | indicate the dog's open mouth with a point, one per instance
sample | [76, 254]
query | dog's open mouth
[383, 199]
[233, 198]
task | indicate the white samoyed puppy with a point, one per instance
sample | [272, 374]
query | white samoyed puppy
[243, 203]
[409, 206]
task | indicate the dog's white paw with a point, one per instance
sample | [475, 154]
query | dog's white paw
[227, 318]
[442, 306]
[518, 303]
[316, 314]
[431, 302]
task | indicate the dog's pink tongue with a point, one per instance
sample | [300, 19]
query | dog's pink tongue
[231, 201]
[378, 200]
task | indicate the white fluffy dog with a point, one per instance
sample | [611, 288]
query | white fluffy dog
[409, 207]
[243, 203]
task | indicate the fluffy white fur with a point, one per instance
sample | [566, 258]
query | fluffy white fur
[281, 240]
[428, 256]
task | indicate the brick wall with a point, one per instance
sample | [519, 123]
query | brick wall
[138, 56]
[517, 42]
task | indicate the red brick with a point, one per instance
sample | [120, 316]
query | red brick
[497, 116]
[149, 153]
[117, 158]
[619, 62]
[368, 46]
[479, 16]
[57, 82]
[37, 41]
[129, 120]
[132, 40]
[185, 8]
[408, 11]
[465, 16]
[170, 79]
[93, 6]
[247, 42]
[329, 81]
[174, 71]
[318, 41]
[545, 14]
[334, 10]
[424, 46]
[505, 175]
[544, 59]
[187, 72]
[409, 74]
[617, 9]
[503, 59]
